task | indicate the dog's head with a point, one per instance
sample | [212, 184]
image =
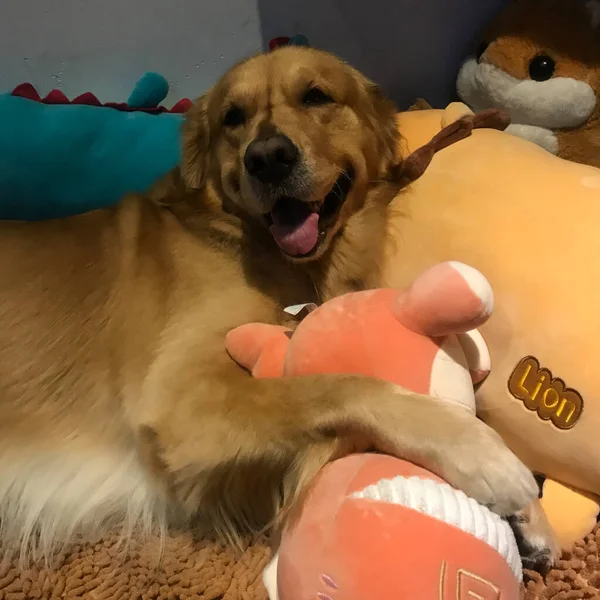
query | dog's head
[293, 138]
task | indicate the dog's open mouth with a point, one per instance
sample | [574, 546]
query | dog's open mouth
[299, 226]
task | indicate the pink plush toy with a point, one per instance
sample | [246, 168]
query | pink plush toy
[373, 526]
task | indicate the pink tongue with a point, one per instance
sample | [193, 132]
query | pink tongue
[299, 238]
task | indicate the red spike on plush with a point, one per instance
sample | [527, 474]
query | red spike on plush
[56, 97]
[26, 90]
[278, 42]
[88, 99]
[182, 106]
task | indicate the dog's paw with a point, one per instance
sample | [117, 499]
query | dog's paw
[538, 547]
[484, 468]
[454, 444]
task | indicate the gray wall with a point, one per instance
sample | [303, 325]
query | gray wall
[412, 47]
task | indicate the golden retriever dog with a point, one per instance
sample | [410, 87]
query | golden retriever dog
[119, 405]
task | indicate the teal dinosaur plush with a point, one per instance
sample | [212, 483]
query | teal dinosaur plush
[61, 157]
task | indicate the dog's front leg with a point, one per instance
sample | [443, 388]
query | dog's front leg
[230, 444]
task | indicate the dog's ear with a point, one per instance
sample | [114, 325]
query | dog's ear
[385, 125]
[195, 136]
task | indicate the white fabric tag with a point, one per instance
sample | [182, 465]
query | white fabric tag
[299, 311]
[270, 578]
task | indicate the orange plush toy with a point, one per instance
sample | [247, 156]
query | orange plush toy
[373, 526]
[539, 60]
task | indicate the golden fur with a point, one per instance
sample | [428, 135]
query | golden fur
[118, 403]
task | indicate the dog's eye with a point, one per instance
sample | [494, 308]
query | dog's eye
[234, 117]
[316, 97]
[541, 68]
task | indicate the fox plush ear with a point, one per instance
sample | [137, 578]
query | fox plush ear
[260, 348]
[449, 298]
[593, 8]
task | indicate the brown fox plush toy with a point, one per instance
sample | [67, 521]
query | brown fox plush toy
[539, 61]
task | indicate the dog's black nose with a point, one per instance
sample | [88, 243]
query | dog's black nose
[271, 159]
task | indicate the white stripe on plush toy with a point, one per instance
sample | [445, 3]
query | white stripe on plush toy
[443, 502]
[478, 284]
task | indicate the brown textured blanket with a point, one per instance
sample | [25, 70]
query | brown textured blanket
[187, 570]
[205, 570]
[577, 576]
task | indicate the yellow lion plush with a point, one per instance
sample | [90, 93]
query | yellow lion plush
[531, 223]
[539, 61]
